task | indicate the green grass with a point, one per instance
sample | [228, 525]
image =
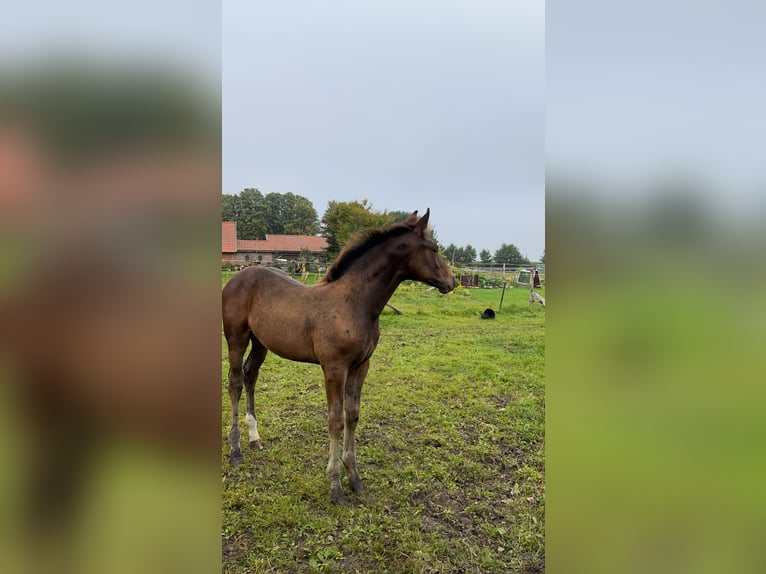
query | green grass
[450, 444]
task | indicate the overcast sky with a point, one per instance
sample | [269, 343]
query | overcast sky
[409, 104]
[639, 91]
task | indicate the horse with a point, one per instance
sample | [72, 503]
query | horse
[335, 324]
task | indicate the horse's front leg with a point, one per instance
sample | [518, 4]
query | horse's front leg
[335, 379]
[353, 394]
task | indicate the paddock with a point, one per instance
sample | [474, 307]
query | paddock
[456, 478]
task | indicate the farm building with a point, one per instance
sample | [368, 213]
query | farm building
[274, 249]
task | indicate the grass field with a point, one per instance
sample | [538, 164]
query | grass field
[450, 444]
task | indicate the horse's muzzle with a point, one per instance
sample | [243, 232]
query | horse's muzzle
[444, 289]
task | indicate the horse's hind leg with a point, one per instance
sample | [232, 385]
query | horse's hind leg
[237, 343]
[252, 365]
[353, 392]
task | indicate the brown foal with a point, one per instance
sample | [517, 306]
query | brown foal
[334, 324]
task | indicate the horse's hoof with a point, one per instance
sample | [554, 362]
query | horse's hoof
[336, 495]
[256, 444]
[237, 460]
[357, 486]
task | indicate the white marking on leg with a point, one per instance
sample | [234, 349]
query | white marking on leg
[252, 428]
[333, 463]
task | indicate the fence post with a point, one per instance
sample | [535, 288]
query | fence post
[505, 282]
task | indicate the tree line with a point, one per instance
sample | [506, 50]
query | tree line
[278, 213]
[257, 214]
[507, 254]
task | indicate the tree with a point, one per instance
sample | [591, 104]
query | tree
[273, 213]
[300, 217]
[542, 257]
[257, 215]
[399, 216]
[289, 213]
[485, 256]
[450, 252]
[469, 254]
[341, 220]
[229, 207]
[459, 255]
[251, 223]
[510, 255]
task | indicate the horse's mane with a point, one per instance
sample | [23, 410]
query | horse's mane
[360, 244]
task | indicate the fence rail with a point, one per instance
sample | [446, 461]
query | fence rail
[480, 277]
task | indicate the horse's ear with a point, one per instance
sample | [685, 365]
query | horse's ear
[422, 223]
[412, 219]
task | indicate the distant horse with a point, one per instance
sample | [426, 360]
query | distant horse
[334, 324]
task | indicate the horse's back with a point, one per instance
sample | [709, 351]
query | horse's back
[249, 276]
[274, 307]
[252, 282]
[259, 280]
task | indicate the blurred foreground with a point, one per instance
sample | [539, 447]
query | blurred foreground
[110, 407]
[655, 370]
[655, 287]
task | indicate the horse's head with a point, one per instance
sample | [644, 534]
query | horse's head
[424, 262]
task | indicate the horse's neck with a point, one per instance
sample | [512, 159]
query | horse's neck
[373, 284]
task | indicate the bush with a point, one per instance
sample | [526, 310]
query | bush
[491, 281]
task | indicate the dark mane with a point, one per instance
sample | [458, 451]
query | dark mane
[360, 244]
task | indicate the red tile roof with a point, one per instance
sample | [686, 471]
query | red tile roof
[284, 243]
[228, 237]
[279, 243]
[295, 242]
[252, 245]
